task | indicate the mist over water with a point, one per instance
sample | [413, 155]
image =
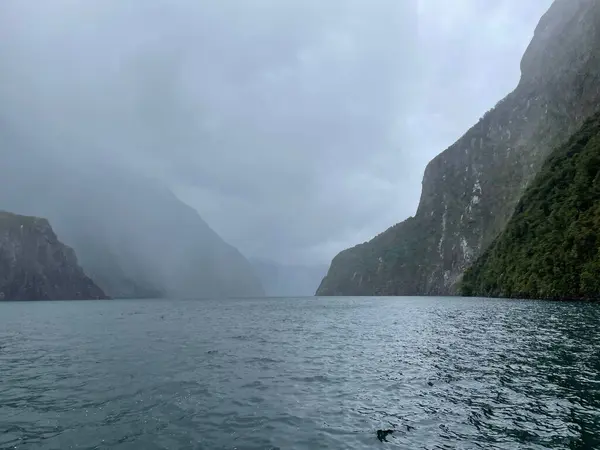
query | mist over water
[295, 129]
[219, 150]
[299, 374]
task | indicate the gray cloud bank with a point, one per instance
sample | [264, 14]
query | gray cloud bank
[296, 128]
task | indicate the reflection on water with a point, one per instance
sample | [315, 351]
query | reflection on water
[300, 373]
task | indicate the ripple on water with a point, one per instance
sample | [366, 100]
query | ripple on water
[289, 373]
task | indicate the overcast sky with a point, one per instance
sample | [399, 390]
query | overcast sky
[296, 128]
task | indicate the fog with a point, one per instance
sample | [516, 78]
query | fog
[295, 128]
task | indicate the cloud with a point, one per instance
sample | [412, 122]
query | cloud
[296, 128]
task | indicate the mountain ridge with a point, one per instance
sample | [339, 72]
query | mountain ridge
[132, 235]
[470, 190]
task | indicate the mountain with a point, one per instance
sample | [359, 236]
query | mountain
[471, 189]
[132, 235]
[291, 280]
[550, 248]
[35, 265]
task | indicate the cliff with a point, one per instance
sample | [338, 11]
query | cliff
[471, 189]
[156, 241]
[550, 247]
[35, 265]
[132, 235]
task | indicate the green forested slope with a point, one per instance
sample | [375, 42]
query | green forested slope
[551, 246]
[471, 189]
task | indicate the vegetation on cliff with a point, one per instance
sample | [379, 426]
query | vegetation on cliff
[551, 246]
[470, 190]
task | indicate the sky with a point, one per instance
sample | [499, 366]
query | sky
[296, 128]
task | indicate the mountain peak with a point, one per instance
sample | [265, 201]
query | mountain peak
[561, 41]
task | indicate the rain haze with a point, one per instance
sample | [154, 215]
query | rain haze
[295, 128]
[299, 224]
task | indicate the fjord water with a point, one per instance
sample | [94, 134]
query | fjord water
[299, 374]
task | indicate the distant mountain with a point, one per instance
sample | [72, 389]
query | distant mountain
[471, 189]
[132, 235]
[551, 246]
[280, 280]
[35, 265]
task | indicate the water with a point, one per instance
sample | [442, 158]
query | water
[300, 374]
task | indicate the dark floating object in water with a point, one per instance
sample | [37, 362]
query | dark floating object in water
[430, 383]
[383, 434]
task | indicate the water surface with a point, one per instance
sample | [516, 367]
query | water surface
[300, 374]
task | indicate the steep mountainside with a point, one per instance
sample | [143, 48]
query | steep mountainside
[35, 265]
[132, 236]
[551, 246]
[471, 189]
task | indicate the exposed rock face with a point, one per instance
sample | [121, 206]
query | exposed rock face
[132, 235]
[471, 189]
[550, 248]
[35, 265]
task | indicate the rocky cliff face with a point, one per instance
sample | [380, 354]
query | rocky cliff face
[35, 265]
[132, 235]
[471, 189]
[550, 247]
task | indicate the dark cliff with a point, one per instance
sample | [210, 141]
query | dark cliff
[550, 247]
[471, 189]
[131, 234]
[35, 265]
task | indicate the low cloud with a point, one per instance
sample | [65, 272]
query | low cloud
[295, 128]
